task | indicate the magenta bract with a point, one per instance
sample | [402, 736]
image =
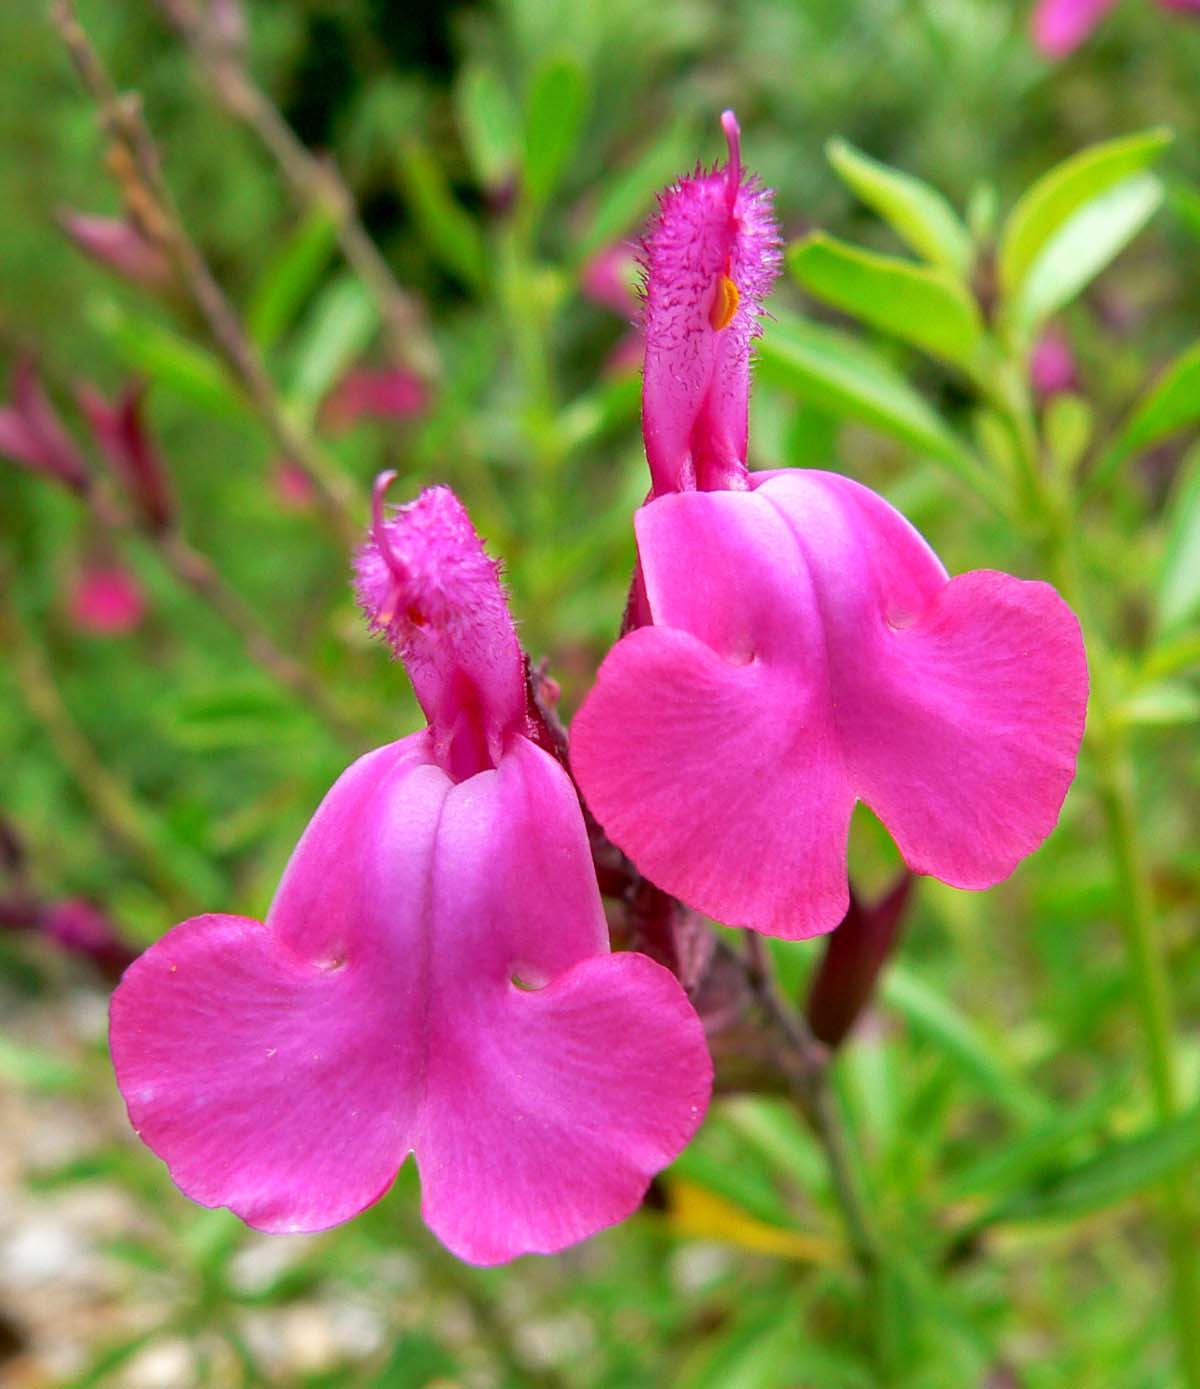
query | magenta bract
[433, 975]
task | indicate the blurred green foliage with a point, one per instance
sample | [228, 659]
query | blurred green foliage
[1009, 1143]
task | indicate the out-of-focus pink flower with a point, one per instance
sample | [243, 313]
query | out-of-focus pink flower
[1060, 26]
[626, 357]
[228, 22]
[433, 975]
[293, 486]
[610, 277]
[1052, 364]
[32, 434]
[106, 601]
[391, 394]
[118, 245]
[121, 433]
[83, 929]
[798, 646]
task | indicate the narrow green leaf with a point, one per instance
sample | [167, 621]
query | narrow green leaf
[1113, 1175]
[626, 197]
[926, 307]
[1179, 579]
[417, 1359]
[290, 278]
[834, 372]
[1173, 402]
[490, 123]
[336, 332]
[1185, 203]
[1080, 249]
[447, 229]
[554, 116]
[915, 211]
[935, 1018]
[1162, 704]
[1055, 198]
[168, 360]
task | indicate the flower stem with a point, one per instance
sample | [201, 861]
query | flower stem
[805, 1062]
[1109, 747]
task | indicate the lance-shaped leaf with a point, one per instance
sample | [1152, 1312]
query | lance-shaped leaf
[1179, 579]
[1116, 1173]
[1059, 194]
[448, 230]
[554, 116]
[926, 307]
[915, 211]
[833, 372]
[1171, 403]
[490, 123]
[1080, 249]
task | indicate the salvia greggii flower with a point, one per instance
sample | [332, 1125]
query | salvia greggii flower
[32, 434]
[433, 975]
[800, 646]
[388, 393]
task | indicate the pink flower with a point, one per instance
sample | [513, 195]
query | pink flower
[118, 245]
[80, 928]
[390, 394]
[799, 646]
[107, 601]
[1060, 26]
[32, 434]
[120, 431]
[1052, 364]
[433, 975]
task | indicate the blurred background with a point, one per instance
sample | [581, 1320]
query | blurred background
[185, 673]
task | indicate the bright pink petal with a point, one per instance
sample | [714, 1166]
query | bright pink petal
[285, 1070]
[1060, 26]
[808, 650]
[275, 1068]
[107, 601]
[707, 748]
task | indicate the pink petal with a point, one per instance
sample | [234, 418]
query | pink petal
[808, 650]
[107, 601]
[285, 1070]
[1060, 26]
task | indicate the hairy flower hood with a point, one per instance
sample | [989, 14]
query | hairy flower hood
[433, 975]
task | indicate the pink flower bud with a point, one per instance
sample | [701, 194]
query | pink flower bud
[293, 486]
[390, 394]
[610, 277]
[106, 601]
[32, 434]
[121, 434]
[83, 929]
[120, 246]
[1052, 364]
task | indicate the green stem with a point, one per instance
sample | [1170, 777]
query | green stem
[1108, 743]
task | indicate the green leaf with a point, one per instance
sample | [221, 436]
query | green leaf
[926, 307]
[626, 198]
[1059, 194]
[915, 211]
[1172, 403]
[1185, 203]
[335, 333]
[447, 229]
[169, 360]
[289, 279]
[1162, 704]
[1080, 249]
[935, 1018]
[35, 1069]
[490, 123]
[1112, 1175]
[417, 1359]
[834, 372]
[1179, 579]
[554, 116]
